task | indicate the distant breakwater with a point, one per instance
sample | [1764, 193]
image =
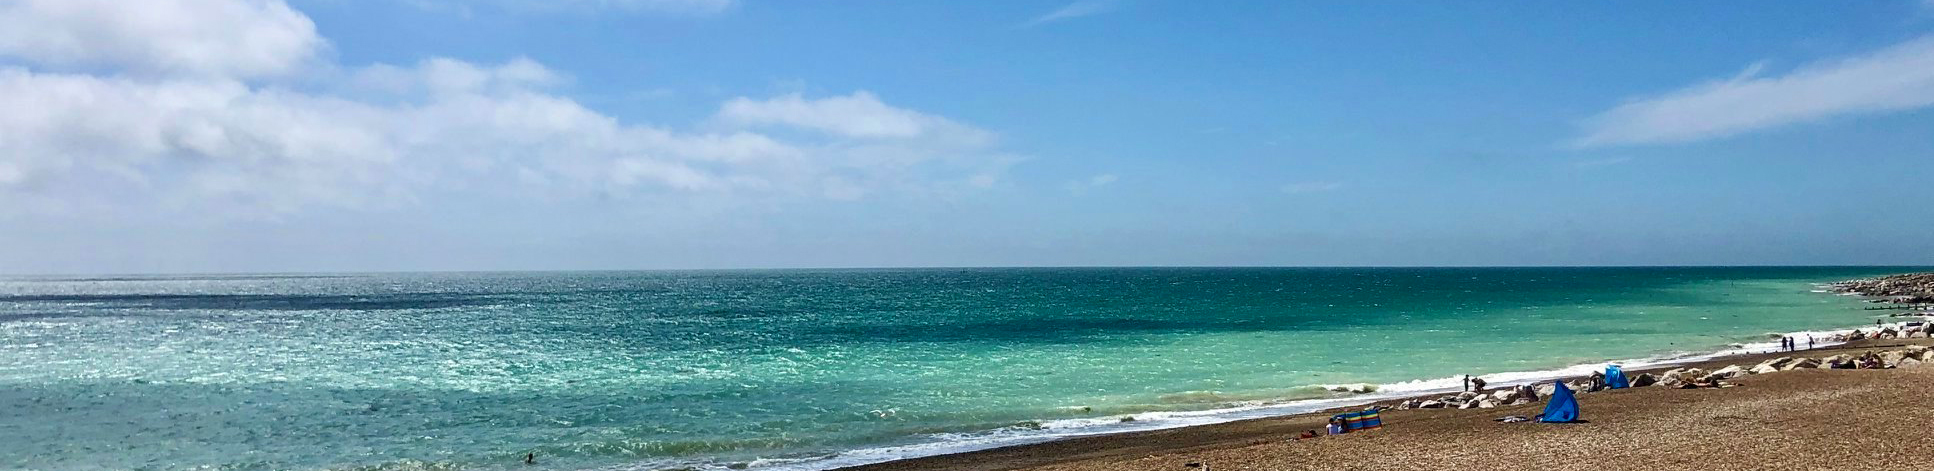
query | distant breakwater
[1907, 288]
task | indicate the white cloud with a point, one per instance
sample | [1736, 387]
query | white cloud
[244, 38]
[1097, 181]
[667, 6]
[859, 115]
[389, 133]
[1079, 8]
[1899, 77]
[662, 7]
[1311, 187]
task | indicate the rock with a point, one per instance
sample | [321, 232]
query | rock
[1468, 405]
[1526, 393]
[1918, 352]
[1869, 361]
[1801, 363]
[1763, 369]
[1889, 359]
[1729, 372]
[1578, 387]
[1643, 380]
[1545, 390]
[1838, 362]
[1776, 363]
[1681, 377]
[1430, 405]
[1521, 400]
[1486, 403]
[1907, 363]
[1503, 395]
[1682, 374]
[1466, 396]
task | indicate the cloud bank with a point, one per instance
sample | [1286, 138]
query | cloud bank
[1899, 77]
[188, 103]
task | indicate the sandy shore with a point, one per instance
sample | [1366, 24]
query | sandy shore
[1799, 419]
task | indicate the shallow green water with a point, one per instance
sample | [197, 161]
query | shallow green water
[808, 369]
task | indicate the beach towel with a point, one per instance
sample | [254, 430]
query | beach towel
[1615, 378]
[1355, 421]
[1562, 406]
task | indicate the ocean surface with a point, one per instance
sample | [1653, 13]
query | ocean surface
[783, 369]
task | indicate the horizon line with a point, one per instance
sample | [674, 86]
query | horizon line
[931, 267]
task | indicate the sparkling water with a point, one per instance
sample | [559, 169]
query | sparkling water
[777, 369]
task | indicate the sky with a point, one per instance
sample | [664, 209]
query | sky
[169, 136]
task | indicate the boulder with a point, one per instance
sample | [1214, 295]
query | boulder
[1918, 352]
[1801, 363]
[1838, 362]
[1579, 387]
[1468, 405]
[1776, 363]
[1763, 369]
[1430, 405]
[1544, 390]
[1908, 363]
[1525, 393]
[1729, 372]
[1643, 380]
[1486, 403]
[1503, 395]
[1682, 374]
[1466, 396]
[1869, 361]
[1521, 400]
[1889, 359]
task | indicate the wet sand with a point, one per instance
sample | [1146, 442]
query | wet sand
[1798, 419]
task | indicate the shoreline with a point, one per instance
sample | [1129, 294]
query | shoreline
[1047, 449]
[1188, 441]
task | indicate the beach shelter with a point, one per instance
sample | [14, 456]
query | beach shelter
[1355, 421]
[1615, 377]
[1562, 406]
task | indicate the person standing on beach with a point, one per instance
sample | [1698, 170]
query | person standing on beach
[1467, 382]
[1809, 342]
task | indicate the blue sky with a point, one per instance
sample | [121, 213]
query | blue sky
[337, 135]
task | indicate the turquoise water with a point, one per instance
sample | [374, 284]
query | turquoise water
[775, 369]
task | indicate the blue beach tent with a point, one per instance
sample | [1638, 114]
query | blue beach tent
[1562, 408]
[1615, 377]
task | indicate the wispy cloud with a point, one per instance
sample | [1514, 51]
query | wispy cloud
[1078, 9]
[1311, 187]
[1899, 77]
[1083, 186]
[662, 7]
[1591, 163]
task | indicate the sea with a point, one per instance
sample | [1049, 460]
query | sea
[804, 369]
